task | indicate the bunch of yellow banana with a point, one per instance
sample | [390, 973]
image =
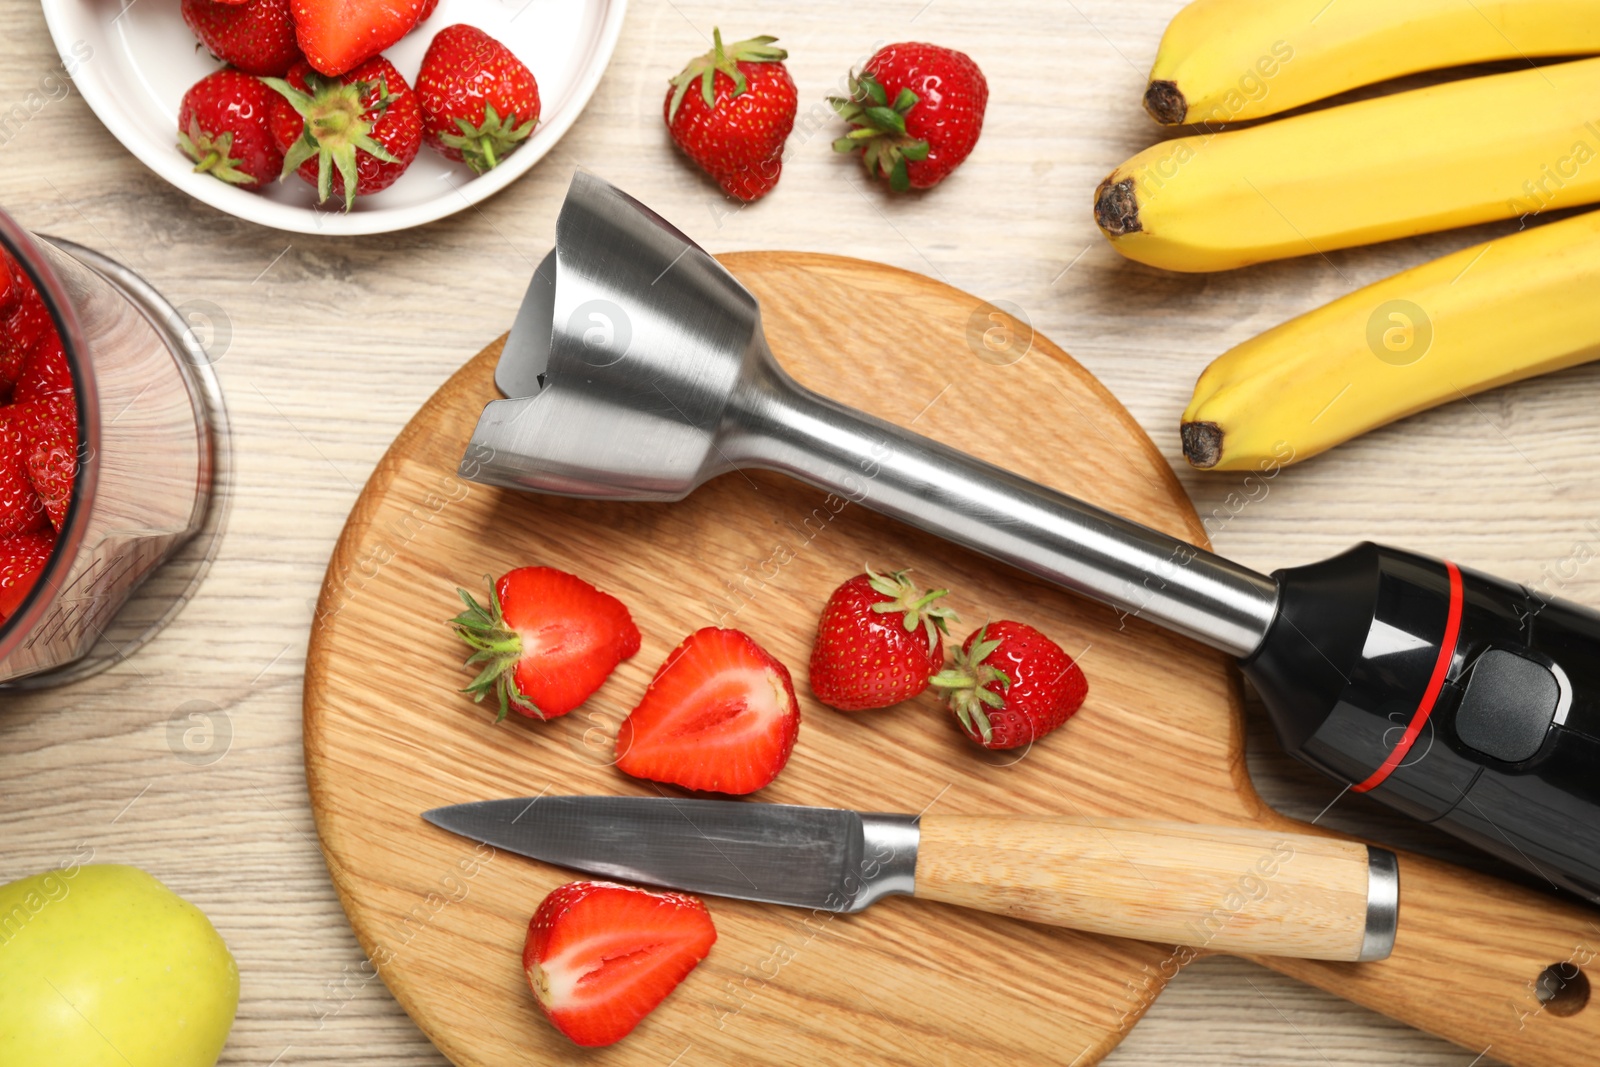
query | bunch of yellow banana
[1463, 152]
[1228, 60]
[1496, 313]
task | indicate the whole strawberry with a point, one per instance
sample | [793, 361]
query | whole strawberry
[44, 371]
[731, 110]
[21, 510]
[25, 326]
[916, 111]
[349, 136]
[479, 103]
[13, 285]
[257, 36]
[1010, 685]
[222, 126]
[49, 427]
[28, 324]
[880, 639]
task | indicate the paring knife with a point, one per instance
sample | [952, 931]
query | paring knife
[1230, 889]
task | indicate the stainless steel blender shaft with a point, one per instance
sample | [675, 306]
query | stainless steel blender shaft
[638, 368]
[776, 424]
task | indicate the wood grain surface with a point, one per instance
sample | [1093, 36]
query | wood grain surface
[326, 347]
[759, 552]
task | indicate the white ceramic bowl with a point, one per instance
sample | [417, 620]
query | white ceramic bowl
[133, 64]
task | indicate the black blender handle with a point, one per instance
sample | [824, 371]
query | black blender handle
[1454, 697]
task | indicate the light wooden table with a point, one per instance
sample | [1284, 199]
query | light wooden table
[335, 342]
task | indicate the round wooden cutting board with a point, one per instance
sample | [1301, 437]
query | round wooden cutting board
[388, 733]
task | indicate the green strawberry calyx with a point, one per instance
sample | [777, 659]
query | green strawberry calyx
[915, 606]
[498, 648]
[705, 69]
[483, 146]
[213, 155]
[879, 129]
[965, 684]
[336, 122]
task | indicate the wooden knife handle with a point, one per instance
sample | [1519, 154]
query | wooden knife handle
[1225, 889]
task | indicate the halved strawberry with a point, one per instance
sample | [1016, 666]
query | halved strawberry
[720, 715]
[600, 956]
[547, 640]
[22, 559]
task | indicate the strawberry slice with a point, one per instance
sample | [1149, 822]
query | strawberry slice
[22, 559]
[719, 715]
[600, 956]
[547, 640]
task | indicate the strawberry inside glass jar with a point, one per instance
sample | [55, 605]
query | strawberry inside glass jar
[38, 435]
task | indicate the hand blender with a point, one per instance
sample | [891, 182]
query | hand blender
[637, 369]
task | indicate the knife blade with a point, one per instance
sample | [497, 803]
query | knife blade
[1221, 888]
[773, 853]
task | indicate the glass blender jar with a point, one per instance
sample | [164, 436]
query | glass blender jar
[144, 513]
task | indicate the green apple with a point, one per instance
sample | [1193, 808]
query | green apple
[103, 966]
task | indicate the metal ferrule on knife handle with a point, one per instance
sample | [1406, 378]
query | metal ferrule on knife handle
[888, 858]
[1236, 890]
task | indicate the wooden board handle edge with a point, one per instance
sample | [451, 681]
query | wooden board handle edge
[1500, 969]
[1225, 889]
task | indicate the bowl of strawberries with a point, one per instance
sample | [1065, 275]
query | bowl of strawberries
[337, 116]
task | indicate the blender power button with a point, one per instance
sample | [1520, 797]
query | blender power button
[1508, 706]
